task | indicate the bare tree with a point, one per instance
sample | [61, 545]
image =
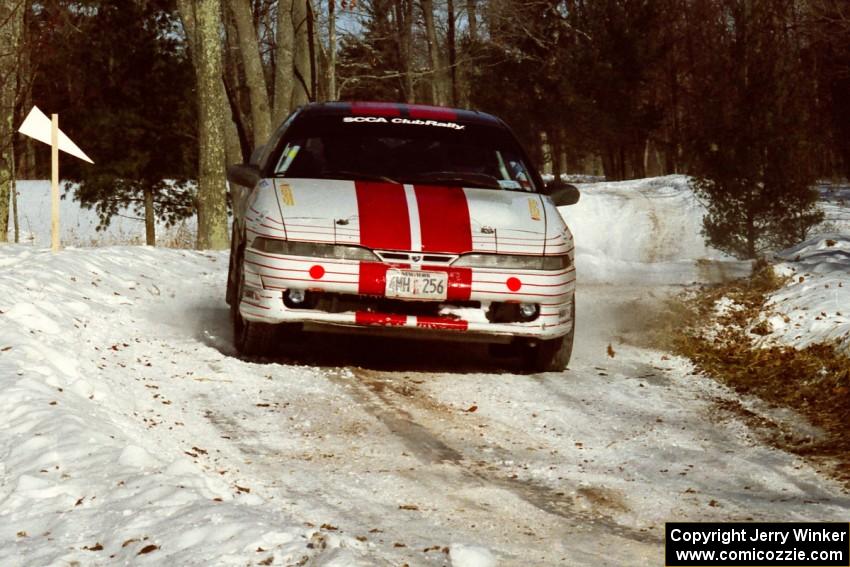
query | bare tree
[205, 16]
[437, 91]
[302, 79]
[284, 61]
[255, 78]
[232, 147]
[11, 25]
[403, 12]
[472, 20]
[332, 95]
[26, 72]
[451, 40]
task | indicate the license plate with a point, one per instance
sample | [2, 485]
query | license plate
[410, 284]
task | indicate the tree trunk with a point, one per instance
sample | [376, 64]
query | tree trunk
[302, 78]
[312, 42]
[7, 182]
[621, 165]
[238, 99]
[751, 235]
[15, 218]
[284, 61]
[408, 49]
[636, 157]
[609, 164]
[11, 25]
[403, 11]
[563, 151]
[332, 50]
[255, 78]
[211, 196]
[472, 20]
[150, 218]
[451, 40]
[545, 152]
[26, 146]
[433, 52]
[232, 146]
[555, 153]
[466, 72]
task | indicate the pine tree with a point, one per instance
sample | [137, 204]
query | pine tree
[137, 120]
[750, 130]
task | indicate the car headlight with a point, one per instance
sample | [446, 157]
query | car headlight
[313, 249]
[513, 261]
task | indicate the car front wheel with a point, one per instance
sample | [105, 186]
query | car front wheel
[551, 355]
[250, 338]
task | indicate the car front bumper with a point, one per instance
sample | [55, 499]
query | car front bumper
[466, 313]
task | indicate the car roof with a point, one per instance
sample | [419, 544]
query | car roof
[402, 110]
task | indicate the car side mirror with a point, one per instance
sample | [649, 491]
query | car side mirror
[562, 194]
[246, 174]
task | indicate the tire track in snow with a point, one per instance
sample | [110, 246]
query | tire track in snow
[369, 390]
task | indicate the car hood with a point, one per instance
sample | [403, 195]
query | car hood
[419, 218]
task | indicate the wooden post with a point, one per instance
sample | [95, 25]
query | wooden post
[54, 184]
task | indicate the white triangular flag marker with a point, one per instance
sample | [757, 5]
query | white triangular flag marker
[37, 126]
[40, 127]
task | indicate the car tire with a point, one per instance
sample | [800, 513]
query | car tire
[249, 337]
[230, 294]
[552, 355]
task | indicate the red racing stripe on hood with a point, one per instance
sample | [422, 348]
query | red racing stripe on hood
[384, 218]
[444, 219]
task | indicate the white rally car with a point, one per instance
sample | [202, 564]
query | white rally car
[407, 220]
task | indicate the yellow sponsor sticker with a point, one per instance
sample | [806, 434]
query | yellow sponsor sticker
[533, 209]
[286, 195]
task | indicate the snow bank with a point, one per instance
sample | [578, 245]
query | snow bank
[644, 231]
[814, 306]
[91, 471]
[649, 231]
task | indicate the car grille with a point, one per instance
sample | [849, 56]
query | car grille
[393, 257]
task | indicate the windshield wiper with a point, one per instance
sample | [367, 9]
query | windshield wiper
[466, 178]
[356, 175]
[343, 174]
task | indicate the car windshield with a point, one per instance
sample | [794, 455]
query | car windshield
[468, 155]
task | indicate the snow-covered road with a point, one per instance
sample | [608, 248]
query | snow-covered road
[126, 417]
[130, 433]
